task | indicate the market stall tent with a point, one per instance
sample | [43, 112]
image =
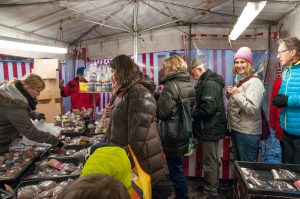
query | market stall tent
[152, 28]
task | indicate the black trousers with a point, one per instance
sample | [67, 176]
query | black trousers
[291, 145]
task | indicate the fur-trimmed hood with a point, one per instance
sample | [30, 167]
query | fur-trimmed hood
[10, 96]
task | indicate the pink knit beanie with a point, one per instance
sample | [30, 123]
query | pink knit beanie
[245, 53]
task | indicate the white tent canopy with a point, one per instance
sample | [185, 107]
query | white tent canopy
[93, 23]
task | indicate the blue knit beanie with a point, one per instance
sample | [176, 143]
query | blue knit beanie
[80, 70]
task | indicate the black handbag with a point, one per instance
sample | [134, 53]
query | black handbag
[178, 129]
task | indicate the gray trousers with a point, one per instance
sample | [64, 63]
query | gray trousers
[210, 164]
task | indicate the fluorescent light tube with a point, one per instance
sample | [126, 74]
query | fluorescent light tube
[251, 10]
[32, 47]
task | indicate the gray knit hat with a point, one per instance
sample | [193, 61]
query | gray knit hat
[197, 61]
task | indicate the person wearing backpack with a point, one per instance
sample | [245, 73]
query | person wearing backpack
[175, 143]
[209, 121]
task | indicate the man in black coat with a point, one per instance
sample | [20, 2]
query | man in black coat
[209, 124]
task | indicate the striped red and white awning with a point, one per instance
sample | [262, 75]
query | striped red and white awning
[10, 70]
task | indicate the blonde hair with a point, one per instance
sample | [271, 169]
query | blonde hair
[33, 81]
[249, 69]
[175, 63]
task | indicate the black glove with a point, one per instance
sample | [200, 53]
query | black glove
[40, 116]
[60, 144]
[280, 100]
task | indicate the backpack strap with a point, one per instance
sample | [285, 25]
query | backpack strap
[177, 91]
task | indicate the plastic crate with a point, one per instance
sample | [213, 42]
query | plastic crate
[242, 189]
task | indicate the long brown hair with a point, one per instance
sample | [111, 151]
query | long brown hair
[126, 69]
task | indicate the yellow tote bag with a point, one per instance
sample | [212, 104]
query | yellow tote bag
[140, 181]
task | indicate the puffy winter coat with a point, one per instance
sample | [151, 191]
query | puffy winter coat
[274, 114]
[78, 100]
[210, 122]
[168, 105]
[290, 115]
[133, 122]
[15, 120]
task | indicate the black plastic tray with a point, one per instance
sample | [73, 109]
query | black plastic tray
[76, 134]
[73, 160]
[78, 146]
[264, 172]
[71, 147]
[13, 181]
[6, 194]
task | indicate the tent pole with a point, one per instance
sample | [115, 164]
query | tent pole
[189, 59]
[135, 32]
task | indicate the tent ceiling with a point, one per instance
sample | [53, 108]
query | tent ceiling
[80, 20]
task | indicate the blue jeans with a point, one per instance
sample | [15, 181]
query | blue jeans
[245, 146]
[175, 166]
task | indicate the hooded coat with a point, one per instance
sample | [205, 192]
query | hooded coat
[15, 117]
[209, 116]
[133, 122]
[112, 161]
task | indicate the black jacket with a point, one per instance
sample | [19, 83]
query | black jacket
[209, 115]
[168, 107]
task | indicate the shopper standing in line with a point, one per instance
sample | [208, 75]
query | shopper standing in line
[209, 122]
[288, 97]
[175, 73]
[244, 107]
[133, 117]
[274, 116]
[79, 100]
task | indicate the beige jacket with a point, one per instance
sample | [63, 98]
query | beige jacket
[243, 111]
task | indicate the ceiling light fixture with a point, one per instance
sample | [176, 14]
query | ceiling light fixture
[251, 10]
[31, 47]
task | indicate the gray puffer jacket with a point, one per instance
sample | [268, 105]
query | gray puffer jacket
[15, 120]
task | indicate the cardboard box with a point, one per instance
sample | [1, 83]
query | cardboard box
[46, 68]
[50, 108]
[242, 189]
[51, 90]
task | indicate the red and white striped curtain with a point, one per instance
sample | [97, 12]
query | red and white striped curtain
[14, 69]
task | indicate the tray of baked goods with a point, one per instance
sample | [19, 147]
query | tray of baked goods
[15, 163]
[51, 168]
[41, 188]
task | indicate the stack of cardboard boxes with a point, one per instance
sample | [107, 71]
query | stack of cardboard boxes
[49, 101]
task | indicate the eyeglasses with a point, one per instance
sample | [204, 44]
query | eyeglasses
[282, 51]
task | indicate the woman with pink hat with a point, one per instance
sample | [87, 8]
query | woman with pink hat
[244, 104]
